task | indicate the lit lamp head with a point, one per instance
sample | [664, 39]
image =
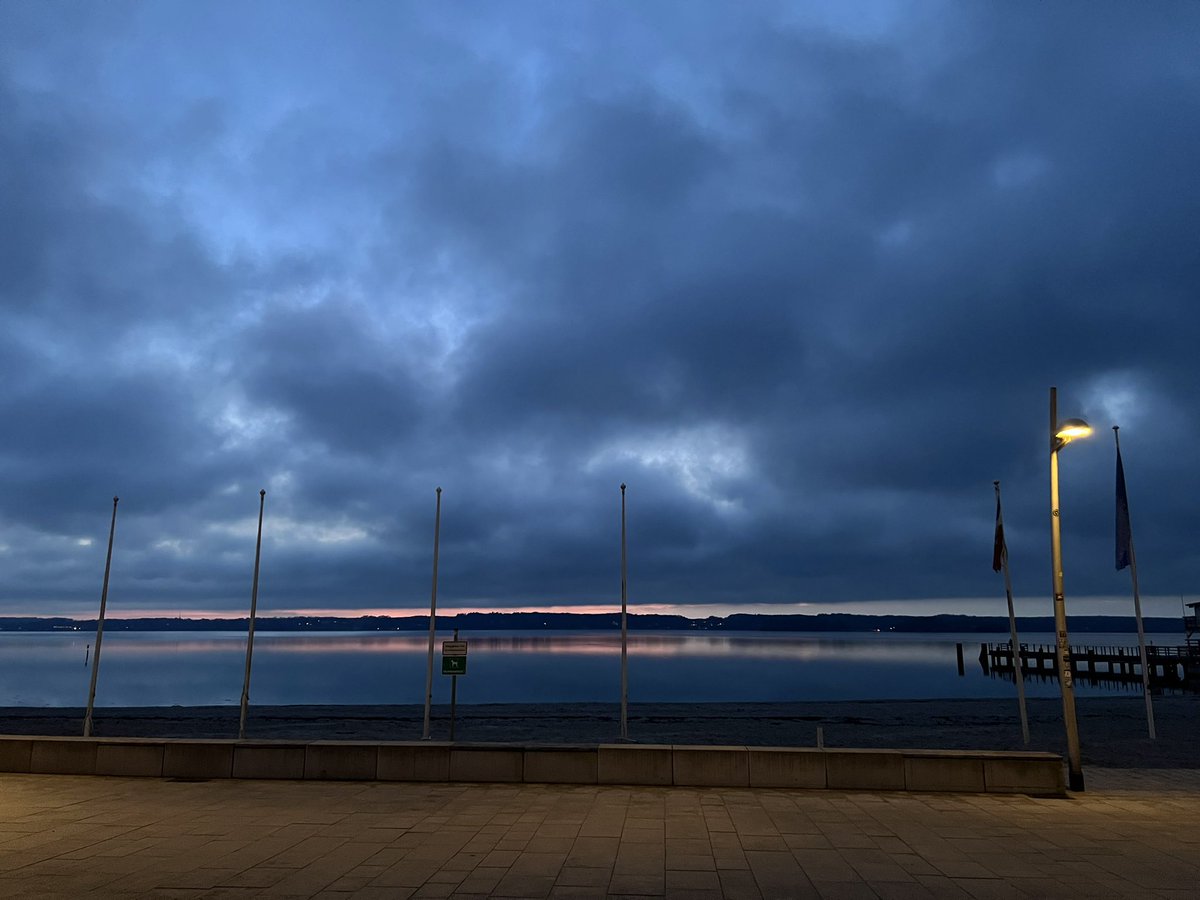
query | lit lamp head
[1069, 430]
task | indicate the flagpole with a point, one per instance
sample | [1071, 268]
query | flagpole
[437, 528]
[87, 719]
[1018, 671]
[262, 500]
[1123, 518]
[624, 630]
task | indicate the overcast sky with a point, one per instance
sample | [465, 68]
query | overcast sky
[802, 278]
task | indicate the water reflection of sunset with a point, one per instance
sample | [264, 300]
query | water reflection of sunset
[161, 669]
[684, 645]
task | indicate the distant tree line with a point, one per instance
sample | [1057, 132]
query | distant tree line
[534, 621]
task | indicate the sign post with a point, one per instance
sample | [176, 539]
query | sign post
[454, 663]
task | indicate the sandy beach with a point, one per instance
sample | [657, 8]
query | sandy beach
[1112, 730]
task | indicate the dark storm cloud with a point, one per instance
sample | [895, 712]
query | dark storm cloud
[801, 282]
[332, 377]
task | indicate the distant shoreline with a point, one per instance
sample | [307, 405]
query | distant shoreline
[1112, 729]
[535, 621]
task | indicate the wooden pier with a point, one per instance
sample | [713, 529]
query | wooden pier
[1169, 666]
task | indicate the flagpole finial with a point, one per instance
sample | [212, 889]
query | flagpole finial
[996, 483]
[262, 492]
[622, 485]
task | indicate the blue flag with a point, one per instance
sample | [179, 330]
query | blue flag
[1124, 530]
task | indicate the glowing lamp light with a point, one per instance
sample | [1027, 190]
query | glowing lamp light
[1073, 428]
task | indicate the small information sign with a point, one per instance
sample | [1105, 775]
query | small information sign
[454, 657]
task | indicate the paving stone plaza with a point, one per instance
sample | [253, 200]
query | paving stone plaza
[1134, 833]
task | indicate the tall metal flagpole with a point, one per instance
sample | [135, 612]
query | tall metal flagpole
[624, 630]
[437, 528]
[87, 719]
[1130, 560]
[262, 500]
[1066, 679]
[1018, 671]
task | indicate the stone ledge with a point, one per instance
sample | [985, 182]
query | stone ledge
[198, 759]
[787, 767]
[268, 760]
[864, 770]
[337, 761]
[561, 765]
[15, 754]
[413, 761]
[645, 764]
[63, 756]
[971, 771]
[484, 762]
[711, 766]
[1008, 775]
[128, 758]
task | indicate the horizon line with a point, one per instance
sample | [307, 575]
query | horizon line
[232, 617]
[1164, 606]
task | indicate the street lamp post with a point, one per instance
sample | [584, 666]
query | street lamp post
[1062, 434]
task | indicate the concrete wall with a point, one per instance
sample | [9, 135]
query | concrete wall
[562, 765]
[635, 764]
[424, 761]
[711, 766]
[198, 759]
[632, 764]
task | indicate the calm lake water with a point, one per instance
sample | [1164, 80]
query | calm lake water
[164, 669]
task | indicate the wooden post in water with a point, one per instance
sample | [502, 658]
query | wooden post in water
[262, 500]
[87, 718]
